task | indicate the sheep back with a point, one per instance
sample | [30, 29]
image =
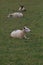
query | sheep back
[17, 34]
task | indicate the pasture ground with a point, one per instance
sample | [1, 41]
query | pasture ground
[21, 51]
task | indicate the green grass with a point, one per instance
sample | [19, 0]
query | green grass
[21, 51]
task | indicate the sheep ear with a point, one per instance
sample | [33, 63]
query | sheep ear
[24, 27]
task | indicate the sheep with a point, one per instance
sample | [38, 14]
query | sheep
[21, 8]
[15, 15]
[20, 33]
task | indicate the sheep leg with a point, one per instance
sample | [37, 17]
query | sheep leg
[25, 37]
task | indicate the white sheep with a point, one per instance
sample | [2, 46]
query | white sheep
[20, 33]
[15, 15]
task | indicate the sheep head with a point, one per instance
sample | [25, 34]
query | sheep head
[26, 29]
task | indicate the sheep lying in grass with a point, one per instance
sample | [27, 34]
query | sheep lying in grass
[15, 15]
[21, 8]
[20, 33]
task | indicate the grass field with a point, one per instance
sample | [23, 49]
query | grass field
[21, 51]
